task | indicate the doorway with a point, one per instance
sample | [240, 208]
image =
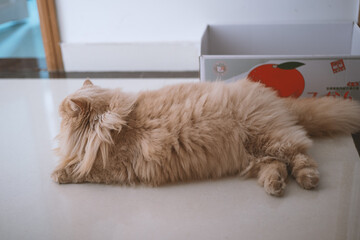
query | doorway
[21, 44]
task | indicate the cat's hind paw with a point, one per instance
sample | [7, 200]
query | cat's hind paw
[274, 185]
[308, 178]
[272, 177]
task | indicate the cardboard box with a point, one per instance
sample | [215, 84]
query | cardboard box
[318, 59]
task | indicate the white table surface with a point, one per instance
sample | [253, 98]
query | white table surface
[32, 206]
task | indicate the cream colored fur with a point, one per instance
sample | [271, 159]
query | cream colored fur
[195, 131]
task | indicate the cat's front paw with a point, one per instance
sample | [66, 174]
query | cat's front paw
[61, 176]
[308, 178]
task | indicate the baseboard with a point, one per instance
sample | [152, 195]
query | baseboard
[128, 57]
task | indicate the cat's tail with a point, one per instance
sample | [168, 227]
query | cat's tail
[326, 116]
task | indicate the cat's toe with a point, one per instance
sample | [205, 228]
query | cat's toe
[308, 178]
[275, 186]
[61, 176]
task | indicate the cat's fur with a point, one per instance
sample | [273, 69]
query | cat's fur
[195, 131]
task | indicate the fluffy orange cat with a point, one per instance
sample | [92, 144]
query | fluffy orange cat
[195, 131]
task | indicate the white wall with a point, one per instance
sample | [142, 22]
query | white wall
[146, 20]
[180, 21]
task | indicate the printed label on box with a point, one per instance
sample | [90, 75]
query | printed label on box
[338, 66]
[305, 77]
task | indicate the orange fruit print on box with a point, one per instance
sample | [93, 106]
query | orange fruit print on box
[284, 78]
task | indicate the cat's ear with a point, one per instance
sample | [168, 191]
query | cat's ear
[116, 117]
[111, 121]
[78, 105]
[87, 83]
[121, 104]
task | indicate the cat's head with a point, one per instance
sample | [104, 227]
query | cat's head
[82, 108]
[89, 117]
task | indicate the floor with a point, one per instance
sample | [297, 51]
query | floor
[32, 206]
[22, 39]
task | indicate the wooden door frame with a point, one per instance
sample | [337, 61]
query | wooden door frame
[50, 35]
[358, 22]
